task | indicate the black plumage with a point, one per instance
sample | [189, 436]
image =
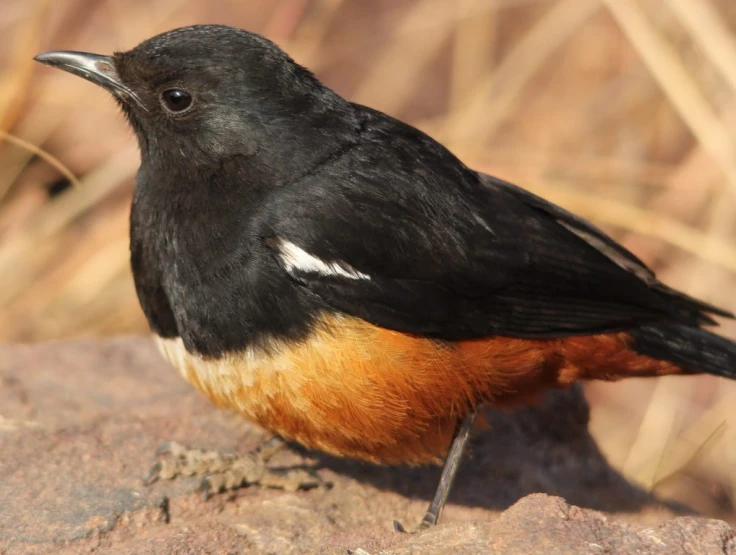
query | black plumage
[452, 254]
[268, 151]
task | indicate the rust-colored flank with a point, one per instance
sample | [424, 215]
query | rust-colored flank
[356, 390]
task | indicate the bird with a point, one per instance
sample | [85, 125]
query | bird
[343, 280]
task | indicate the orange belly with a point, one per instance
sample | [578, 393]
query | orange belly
[353, 389]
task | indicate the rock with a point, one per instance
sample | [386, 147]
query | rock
[79, 422]
[543, 524]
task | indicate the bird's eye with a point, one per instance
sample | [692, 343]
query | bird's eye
[176, 100]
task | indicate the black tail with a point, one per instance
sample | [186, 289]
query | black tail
[695, 350]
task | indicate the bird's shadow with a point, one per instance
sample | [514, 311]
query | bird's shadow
[541, 449]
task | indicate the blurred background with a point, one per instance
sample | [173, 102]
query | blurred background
[623, 111]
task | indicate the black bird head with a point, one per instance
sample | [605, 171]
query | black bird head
[209, 92]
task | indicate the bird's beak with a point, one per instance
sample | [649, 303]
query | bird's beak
[96, 68]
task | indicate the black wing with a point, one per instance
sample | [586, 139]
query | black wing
[603, 243]
[438, 250]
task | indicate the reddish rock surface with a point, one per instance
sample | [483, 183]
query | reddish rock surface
[79, 422]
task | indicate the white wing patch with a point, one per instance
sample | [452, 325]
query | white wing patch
[297, 259]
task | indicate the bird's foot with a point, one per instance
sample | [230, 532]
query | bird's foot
[228, 471]
[423, 525]
[429, 520]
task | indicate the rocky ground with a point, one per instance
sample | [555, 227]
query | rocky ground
[79, 422]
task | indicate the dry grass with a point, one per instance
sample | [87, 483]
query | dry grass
[622, 110]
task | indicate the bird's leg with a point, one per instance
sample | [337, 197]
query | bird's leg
[228, 471]
[452, 462]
